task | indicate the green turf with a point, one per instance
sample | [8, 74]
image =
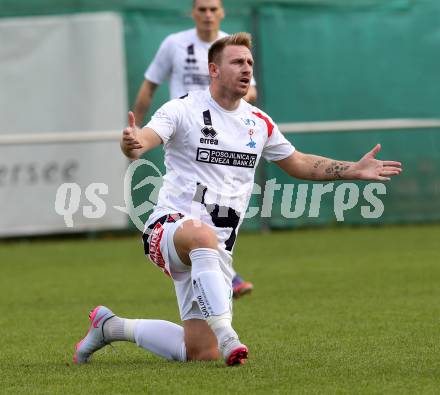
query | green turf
[351, 310]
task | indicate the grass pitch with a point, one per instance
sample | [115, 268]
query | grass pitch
[350, 310]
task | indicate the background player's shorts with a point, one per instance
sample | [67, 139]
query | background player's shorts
[159, 246]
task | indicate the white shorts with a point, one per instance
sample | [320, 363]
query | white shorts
[159, 246]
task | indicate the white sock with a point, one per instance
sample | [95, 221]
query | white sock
[162, 338]
[211, 292]
[221, 325]
[119, 329]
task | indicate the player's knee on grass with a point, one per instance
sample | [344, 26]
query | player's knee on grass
[200, 341]
[205, 354]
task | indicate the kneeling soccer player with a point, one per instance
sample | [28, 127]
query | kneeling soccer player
[213, 141]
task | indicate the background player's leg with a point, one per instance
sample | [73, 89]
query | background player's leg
[240, 286]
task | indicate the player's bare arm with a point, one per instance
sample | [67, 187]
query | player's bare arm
[143, 100]
[136, 141]
[313, 167]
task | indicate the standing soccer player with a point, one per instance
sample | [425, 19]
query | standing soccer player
[182, 59]
[210, 154]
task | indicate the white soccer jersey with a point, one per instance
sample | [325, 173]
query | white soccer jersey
[183, 59]
[210, 157]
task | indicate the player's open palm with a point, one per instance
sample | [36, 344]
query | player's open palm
[370, 168]
[130, 139]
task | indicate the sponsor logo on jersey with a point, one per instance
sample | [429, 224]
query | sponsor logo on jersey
[248, 122]
[252, 143]
[226, 158]
[208, 141]
[190, 53]
[196, 79]
[207, 118]
[208, 131]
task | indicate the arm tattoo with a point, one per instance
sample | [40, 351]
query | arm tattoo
[336, 169]
[317, 163]
[315, 166]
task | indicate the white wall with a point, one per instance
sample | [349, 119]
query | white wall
[60, 74]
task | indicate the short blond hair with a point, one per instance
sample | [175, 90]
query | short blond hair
[195, 1]
[216, 50]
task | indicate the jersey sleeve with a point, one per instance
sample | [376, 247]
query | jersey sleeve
[166, 120]
[277, 147]
[159, 69]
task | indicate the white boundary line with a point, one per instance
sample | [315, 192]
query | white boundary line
[59, 137]
[370, 124]
[295, 127]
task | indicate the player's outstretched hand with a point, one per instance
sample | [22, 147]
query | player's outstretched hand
[130, 136]
[370, 168]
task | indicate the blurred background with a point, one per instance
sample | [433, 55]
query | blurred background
[338, 76]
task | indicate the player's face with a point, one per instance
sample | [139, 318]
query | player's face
[208, 14]
[235, 70]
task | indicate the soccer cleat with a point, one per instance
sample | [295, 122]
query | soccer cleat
[234, 352]
[94, 340]
[240, 287]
